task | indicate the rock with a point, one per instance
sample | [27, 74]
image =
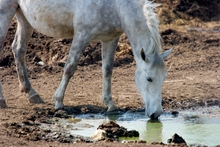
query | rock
[176, 139]
[99, 135]
[114, 131]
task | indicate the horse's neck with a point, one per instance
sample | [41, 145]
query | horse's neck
[134, 23]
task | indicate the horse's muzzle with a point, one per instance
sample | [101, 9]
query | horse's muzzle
[154, 117]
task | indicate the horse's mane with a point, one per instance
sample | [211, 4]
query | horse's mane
[153, 26]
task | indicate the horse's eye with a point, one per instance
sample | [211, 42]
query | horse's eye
[149, 80]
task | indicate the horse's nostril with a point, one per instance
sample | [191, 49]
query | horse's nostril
[153, 117]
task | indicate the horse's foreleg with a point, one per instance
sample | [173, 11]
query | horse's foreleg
[7, 11]
[79, 43]
[108, 51]
[22, 37]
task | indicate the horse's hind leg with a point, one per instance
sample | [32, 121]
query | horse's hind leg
[108, 51]
[7, 11]
[2, 99]
[22, 37]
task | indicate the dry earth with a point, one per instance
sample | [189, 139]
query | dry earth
[191, 27]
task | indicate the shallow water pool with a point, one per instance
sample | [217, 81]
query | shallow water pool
[200, 126]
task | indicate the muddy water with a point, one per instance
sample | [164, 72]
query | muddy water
[201, 126]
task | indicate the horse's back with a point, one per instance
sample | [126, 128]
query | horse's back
[57, 18]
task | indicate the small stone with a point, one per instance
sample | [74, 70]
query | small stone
[99, 135]
[124, 141]
[169, 140]
[131, 141]
[41, 63]
[142, 141]
[174, 112]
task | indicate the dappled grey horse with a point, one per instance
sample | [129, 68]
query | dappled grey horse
[84, 21]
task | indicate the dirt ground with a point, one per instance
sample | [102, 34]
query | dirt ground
[191, 27]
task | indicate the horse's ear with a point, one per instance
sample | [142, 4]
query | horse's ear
[165, 54]
[143, 56]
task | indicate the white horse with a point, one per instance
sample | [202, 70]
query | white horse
[86, 20]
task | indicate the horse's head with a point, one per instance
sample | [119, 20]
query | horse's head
[149, 77]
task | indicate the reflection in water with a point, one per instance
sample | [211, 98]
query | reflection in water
[150, 131]
[153, 132]
[113, 117]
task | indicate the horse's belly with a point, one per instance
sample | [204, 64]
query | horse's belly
[49, 18]
[54, 30]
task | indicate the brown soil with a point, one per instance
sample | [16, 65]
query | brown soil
[191, 27]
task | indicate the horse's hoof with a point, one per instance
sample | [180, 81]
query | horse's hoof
[112, 108]
[3, 104]
[58, 105]
[36, 99]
